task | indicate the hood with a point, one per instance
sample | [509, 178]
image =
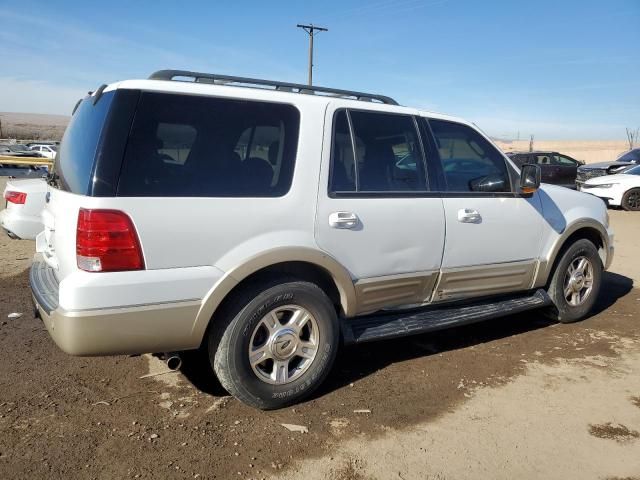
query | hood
[619, 178]
[604, 165]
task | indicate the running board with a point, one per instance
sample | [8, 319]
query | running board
[399, 324]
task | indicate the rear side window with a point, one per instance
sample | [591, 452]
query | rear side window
[388, 155]
[75, 161]
[469, 161]
[544, 159]
[343, 171]
[209, 147]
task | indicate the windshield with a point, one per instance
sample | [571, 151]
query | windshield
[630, 156]
[76, 159]
[633, 170]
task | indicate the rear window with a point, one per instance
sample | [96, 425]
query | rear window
[75, 161]
[210, 147]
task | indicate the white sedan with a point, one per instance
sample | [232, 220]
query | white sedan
[25, 200]
[48, 151]
[622, 189]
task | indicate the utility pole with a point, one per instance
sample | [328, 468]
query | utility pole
[311, 30]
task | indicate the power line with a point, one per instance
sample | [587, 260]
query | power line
[312, 31]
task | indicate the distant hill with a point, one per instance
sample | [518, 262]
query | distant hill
[32, 126]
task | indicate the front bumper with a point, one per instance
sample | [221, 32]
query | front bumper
[611, 196]
[117, 331]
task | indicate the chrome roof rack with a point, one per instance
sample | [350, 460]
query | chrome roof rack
[197, 77]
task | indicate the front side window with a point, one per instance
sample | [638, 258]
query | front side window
[520, 160]
[209, 147]
[388, 155]
[470, 163]
[566, 161]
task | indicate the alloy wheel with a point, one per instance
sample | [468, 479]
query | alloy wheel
[578, 281]
[284, 344]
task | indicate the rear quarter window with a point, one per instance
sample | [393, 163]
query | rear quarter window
[75, 161]
[198, 146]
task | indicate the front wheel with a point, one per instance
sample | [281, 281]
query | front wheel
[278, 344]
[575, 283]
[631, 200]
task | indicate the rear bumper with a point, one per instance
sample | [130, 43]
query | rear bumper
[141, 329]
[21, 226]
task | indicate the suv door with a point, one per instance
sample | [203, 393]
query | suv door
[375, 213]
[567, 170]
[548, 167]
[493, 233]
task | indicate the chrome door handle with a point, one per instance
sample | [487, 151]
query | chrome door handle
[343, 220]
[468, 215]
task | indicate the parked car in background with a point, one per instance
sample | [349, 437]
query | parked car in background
[24, 201]
[267, 226]
[48, 151]
[21, 171]
[593, 170]
[18, 150]
[557, 168]
[621, 189]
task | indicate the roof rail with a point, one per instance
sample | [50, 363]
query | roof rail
[197, 77]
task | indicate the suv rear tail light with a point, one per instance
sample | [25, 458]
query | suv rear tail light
[106, 241]
[15, 197]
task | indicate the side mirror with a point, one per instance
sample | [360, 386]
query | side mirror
[530, 177]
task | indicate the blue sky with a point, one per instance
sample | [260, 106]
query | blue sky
[562, 69]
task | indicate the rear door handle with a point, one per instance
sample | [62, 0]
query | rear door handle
[469, 215]
[343, 220]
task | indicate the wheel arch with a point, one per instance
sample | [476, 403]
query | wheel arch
[300, 262]
[583, 229]
[624, 197]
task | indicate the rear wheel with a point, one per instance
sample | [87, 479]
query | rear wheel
[278, 345]
[575, 283]
[631, 200]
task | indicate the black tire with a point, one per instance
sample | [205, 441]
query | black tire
[563, 311]
[231, 336]
[631, 200]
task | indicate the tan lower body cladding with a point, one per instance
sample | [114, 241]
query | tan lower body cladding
[415, 289]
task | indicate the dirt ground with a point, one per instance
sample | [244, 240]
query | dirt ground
[517, 397]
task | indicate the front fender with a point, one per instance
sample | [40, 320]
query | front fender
[567, 212]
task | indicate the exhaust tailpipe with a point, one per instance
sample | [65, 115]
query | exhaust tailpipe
[173, 360]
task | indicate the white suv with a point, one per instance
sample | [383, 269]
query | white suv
[267, 223]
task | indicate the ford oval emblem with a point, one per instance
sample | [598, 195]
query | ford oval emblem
[47, 197]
